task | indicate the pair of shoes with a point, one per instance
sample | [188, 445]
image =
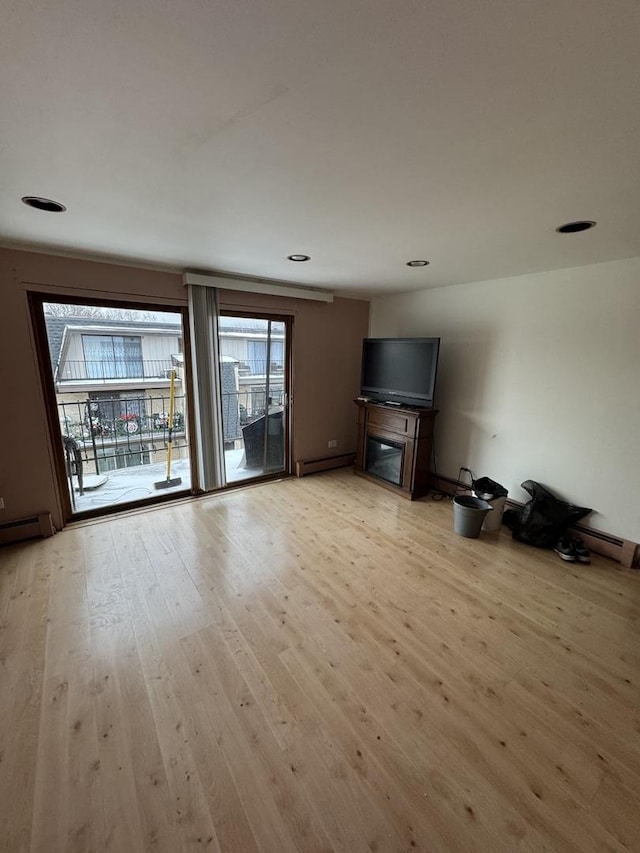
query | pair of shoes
[572, 548]
[583, 554]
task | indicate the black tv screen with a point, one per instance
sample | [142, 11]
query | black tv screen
[400, 370]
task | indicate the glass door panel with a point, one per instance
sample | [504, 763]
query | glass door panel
[254, 389]
[117, 374]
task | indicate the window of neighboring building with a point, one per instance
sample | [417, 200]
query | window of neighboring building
[111, 459]
[113, 356]
[116, 410]
[257, 356]
[277, 355]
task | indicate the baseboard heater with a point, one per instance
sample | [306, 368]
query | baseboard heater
[22, 529]
[627, 553]
[313, 466]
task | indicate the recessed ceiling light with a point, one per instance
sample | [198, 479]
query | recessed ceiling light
[299, 258]
[417, 263]
[43, 204]
[574, 227]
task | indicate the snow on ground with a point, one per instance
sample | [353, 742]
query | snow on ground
[137, 483]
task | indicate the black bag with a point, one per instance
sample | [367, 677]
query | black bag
[488, 489]
[543, 519]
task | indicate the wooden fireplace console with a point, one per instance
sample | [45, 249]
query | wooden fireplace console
[405, 435]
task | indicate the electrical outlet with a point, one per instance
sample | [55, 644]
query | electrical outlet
[333, 443]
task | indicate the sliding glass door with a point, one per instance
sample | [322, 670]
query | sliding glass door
[254, 380]
[116, 386]
[116, 390]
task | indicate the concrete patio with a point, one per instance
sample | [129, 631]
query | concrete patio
[137, 483]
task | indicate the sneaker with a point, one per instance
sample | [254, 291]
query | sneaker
[565, 549]
[583, 554]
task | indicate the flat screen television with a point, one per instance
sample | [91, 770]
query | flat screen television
[400, 370]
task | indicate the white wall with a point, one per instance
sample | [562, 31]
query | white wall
[539, 378]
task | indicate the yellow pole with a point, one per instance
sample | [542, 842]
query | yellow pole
[170, 437]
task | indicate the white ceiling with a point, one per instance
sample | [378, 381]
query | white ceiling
[226, 135]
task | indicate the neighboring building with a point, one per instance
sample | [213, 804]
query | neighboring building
[88, 351]
[112, 381]
[244, 339]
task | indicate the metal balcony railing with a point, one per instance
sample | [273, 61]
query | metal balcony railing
[74, 371]
[240, 408]
[121, 433]
[110, 433]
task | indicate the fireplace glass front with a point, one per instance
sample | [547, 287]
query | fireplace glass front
[384, 459]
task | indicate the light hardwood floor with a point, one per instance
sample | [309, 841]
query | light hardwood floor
[314, 665]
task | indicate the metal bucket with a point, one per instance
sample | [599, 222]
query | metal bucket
[468, 515]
